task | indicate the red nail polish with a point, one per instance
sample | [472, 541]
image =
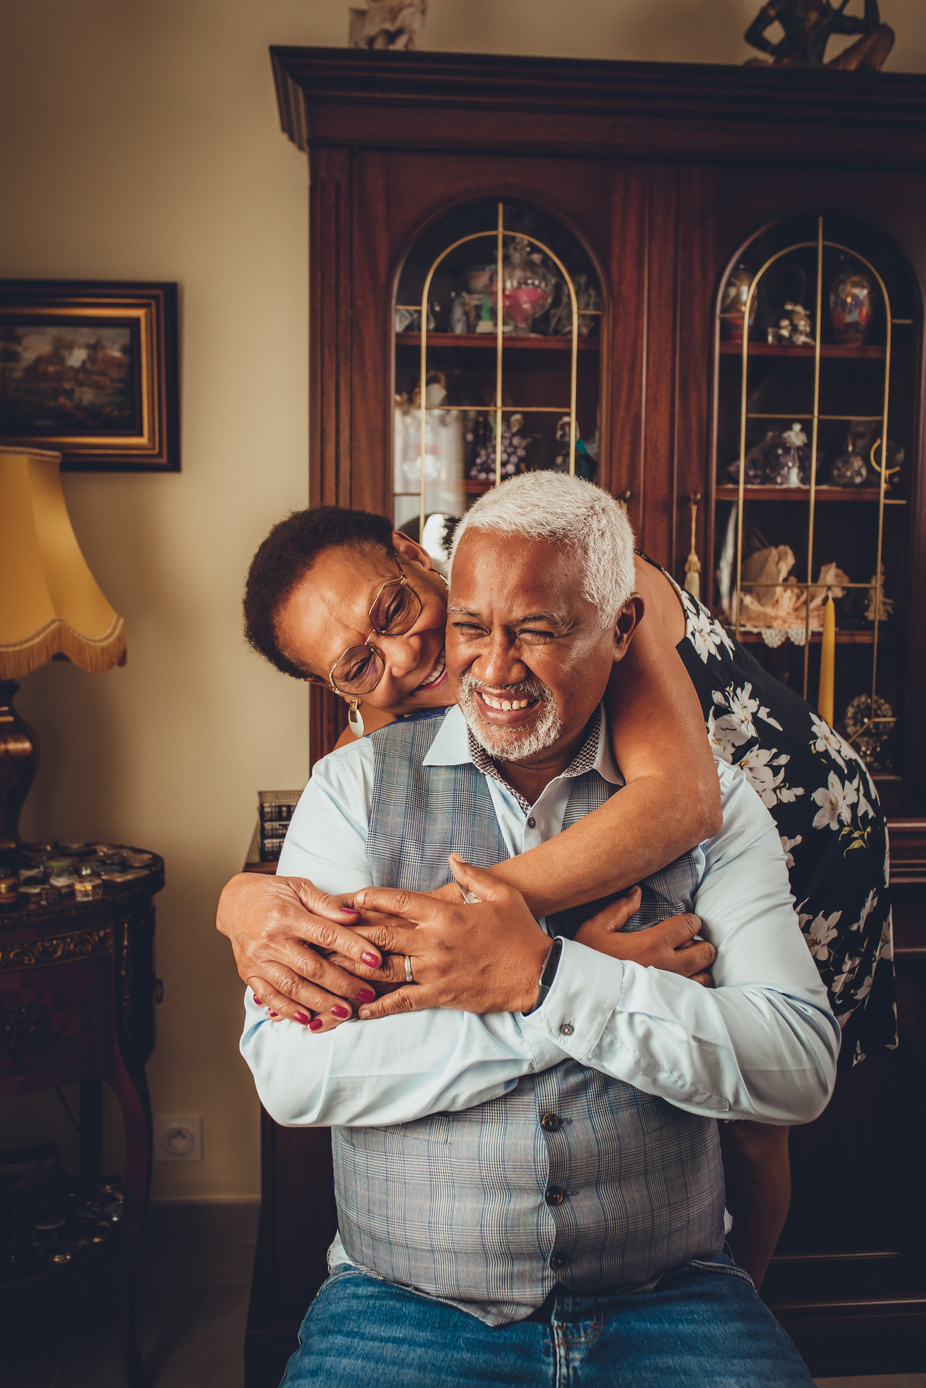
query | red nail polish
[301, 1018]
[259, 1001]
[340, 1011]
[370, 959]
[316, 1024]
[366, 995]
[273, 1014]
[349, 911]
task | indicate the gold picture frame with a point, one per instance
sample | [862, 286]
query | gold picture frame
[89, 369]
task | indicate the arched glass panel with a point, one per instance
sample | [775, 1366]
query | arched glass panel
[813, 454]
[497, 362]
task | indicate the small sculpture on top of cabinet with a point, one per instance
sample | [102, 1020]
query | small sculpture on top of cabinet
[808, 27]
[392, 24]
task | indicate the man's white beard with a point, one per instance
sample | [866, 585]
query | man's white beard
[511, 744]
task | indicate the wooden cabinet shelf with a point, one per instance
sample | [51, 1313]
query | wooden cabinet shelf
[536, 342]
[847, 351]
[847, 637]
[730, 492]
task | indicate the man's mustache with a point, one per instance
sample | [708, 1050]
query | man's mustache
[531, 688]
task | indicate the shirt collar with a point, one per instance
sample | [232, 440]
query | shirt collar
[453, 746]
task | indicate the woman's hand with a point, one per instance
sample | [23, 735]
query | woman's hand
[281, 930]
[670, 945]
[483, 957]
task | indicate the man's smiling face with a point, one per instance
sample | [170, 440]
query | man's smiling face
[527, 655]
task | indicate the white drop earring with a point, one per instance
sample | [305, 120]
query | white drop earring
[355, 719]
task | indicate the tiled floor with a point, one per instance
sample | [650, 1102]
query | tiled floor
[193, 1288]
[193, 1291]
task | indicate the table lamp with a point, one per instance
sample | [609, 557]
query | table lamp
[50, 609]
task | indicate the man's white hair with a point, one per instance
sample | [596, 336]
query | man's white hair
[571, 512]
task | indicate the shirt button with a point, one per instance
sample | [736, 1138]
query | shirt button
[532, 823]
[566, 1029]
[551, 1122]
[558, 1260]
[555, 1196]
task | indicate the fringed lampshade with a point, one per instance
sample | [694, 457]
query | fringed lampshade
[50, 606]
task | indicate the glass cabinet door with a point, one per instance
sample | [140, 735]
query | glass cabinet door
[813, 444]
[497, 363]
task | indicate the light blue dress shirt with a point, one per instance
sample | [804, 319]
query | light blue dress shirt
[761, 1044]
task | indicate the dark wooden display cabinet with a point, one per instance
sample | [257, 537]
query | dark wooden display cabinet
[652, 182]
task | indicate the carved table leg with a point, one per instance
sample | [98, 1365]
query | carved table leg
[91, 1131]
[132, 1095]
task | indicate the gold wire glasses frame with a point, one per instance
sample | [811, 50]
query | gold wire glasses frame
[386, 620]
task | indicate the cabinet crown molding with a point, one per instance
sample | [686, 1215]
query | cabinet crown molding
[460, 102]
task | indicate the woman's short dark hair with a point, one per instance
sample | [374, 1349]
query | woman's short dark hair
[285, 557]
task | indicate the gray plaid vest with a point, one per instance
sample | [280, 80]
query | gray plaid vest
[572, 1177]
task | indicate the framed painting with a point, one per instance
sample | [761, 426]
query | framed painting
[90, 370]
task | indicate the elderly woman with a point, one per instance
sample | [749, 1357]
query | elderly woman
[339, 597]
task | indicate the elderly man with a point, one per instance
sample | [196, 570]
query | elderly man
[526, 1153]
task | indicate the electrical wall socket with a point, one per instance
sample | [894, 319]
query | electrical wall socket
[178, 1137]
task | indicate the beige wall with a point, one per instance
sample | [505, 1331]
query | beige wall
[141, 141]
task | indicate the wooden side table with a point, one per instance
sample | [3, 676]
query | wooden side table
[77, 996]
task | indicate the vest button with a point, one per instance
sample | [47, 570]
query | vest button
[551, 1122]
[555, 1196]
[566, 1029]
[558, 1261]
[532, 823]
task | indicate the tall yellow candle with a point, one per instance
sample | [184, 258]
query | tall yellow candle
[827, 662]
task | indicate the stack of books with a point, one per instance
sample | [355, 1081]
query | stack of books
[275, 808]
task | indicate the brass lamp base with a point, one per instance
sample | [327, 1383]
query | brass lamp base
[18, 760]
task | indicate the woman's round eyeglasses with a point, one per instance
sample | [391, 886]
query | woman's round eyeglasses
[396, 608]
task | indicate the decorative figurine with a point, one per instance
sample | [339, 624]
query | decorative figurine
[869, 723]
[770, 600]
[513, 453]
[588, 304]
[808, 27]
[795, 330]
[801, 326]
[407, 318]
[770, 462]
[879, 607]
[895, 457]
[586, 454]
[850, 469]
[796, 440]
[527, 286]
[459, 317]
[485, 323]
[853, 300]
[733, 304]
[442, 469]
[394, 24]
[559, 323]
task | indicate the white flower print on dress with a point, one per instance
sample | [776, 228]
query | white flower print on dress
[870, 904]
[834, 800]
[827, 741]
[757, 764]
[735, 728]
[839, 982]
[725, 734]
[839, 878]
[821, 930]
[706, 635]
[787, 844]
[864, 808]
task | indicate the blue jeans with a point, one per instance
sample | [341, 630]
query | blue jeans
[703, 1326]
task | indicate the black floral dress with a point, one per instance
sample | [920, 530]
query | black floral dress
[826, 808]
